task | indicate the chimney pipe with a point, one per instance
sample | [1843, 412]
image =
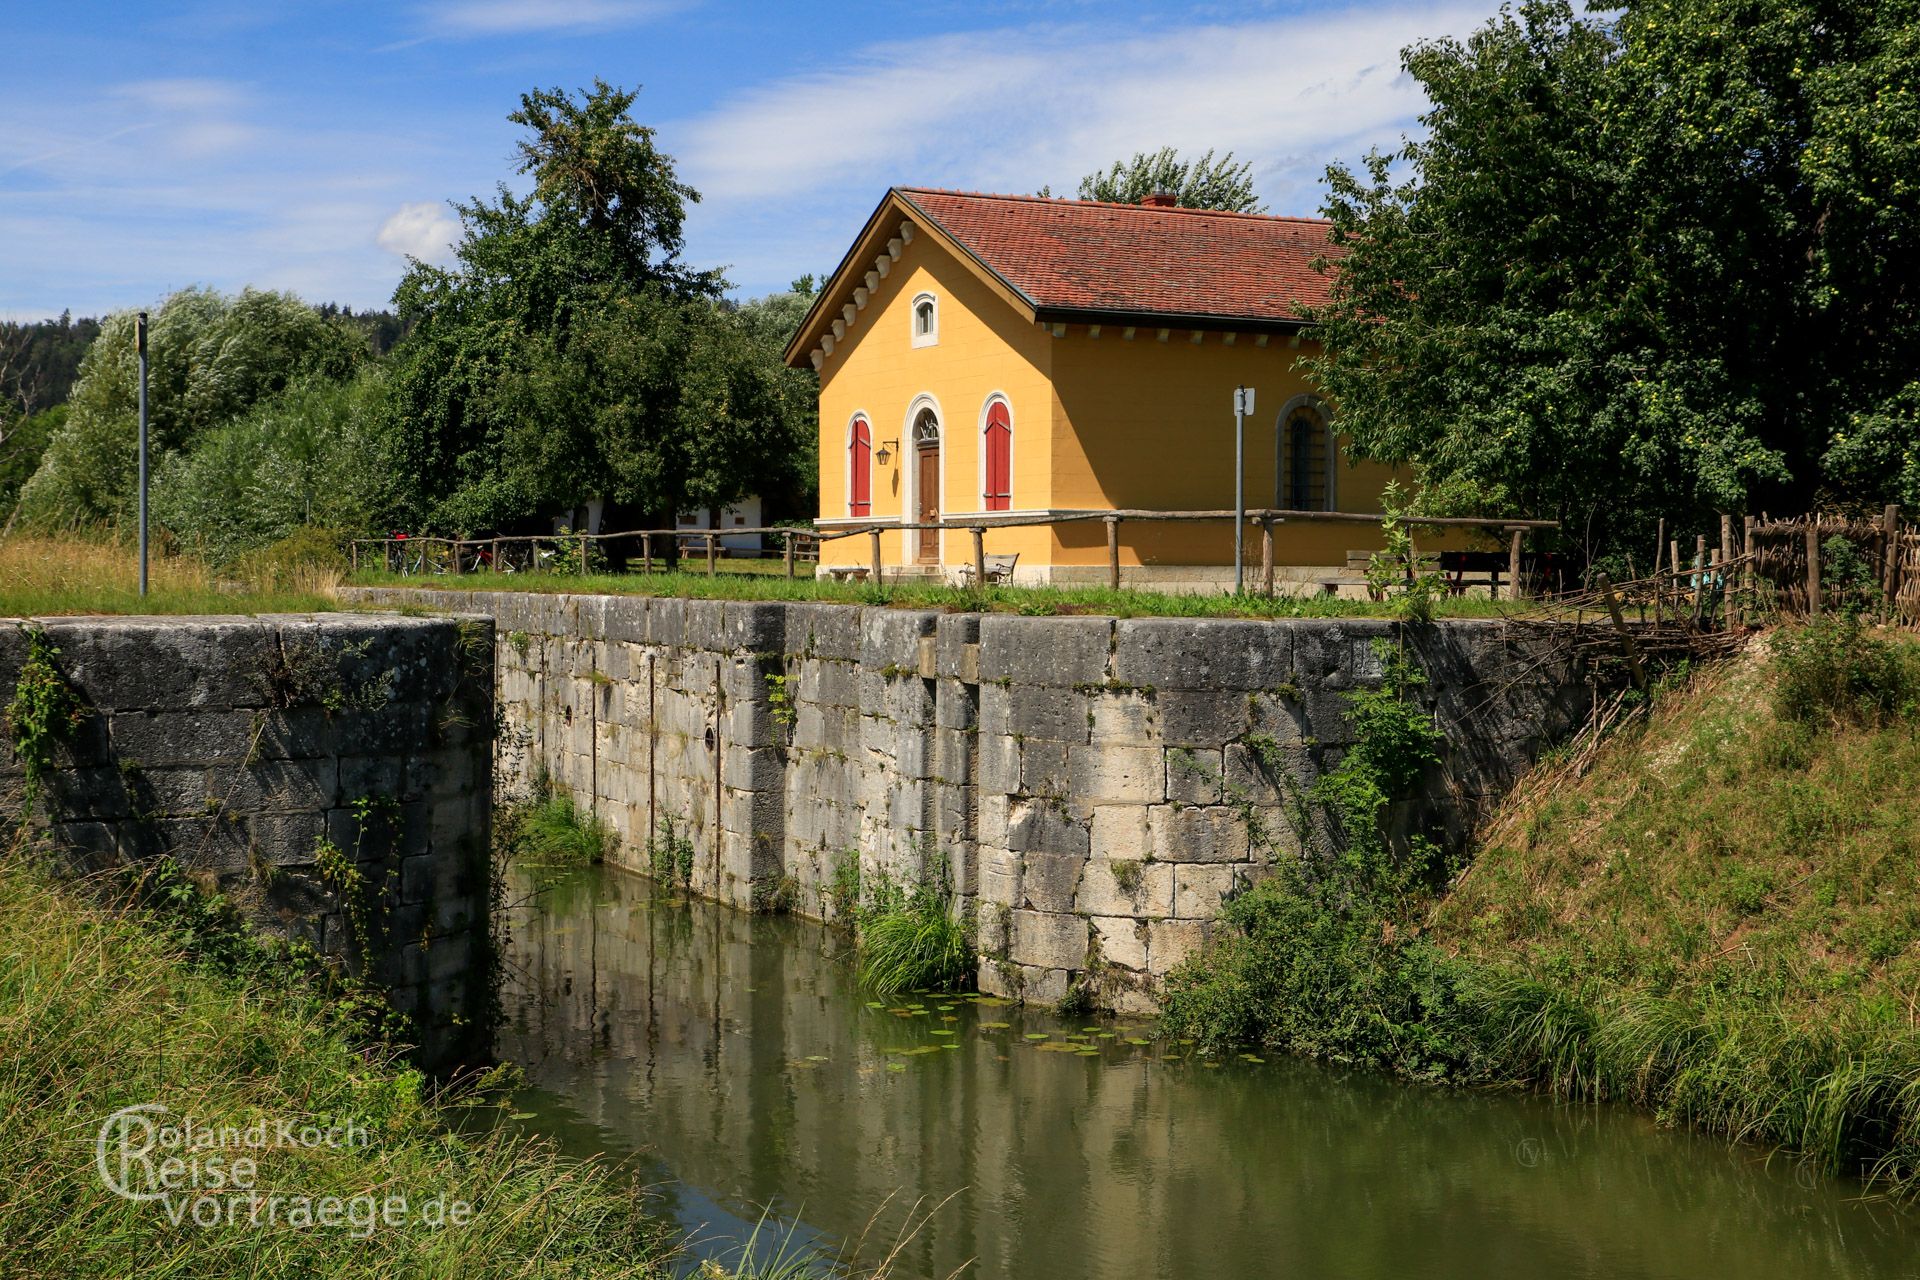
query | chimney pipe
[1160, 200]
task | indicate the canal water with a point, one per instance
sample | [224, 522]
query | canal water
[738, 1064]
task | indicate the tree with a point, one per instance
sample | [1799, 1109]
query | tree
[210, 357]
[1649, 266]
[307, 456]
[569, 354]
[1204, 183]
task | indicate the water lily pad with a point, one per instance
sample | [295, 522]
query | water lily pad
[944, 1031]
[816, 1057]
[896, 1066]
[949, 1046]
[1248, 1057]
[948, 1017]
[992, 1002]
[1137, 1040]
[1104, 1035]
[944, 1008]
[995, 1026]
[1036, 1035]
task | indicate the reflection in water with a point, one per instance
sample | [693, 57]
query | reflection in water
[737, 1058]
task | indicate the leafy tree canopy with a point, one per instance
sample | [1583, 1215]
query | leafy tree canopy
[1205, 183]
[1653, 263]
[210, 357]
[569, 354]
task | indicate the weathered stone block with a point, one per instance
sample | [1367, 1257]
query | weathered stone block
[1203, 654]
[1047, 941]
[1121, 941]
[1171, 941]
[1043, 768]
[1198, 890]
[1049, 881]
[1043, 826]
[1058, 715]
[1112, 774]
[1200, 719]
[1195, 775]
[1044, 652]
[1119, 831]
[1216, 834]
[1124, 718]
[1125, 887]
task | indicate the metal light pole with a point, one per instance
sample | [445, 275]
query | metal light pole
[140, 344]
[1242, 409]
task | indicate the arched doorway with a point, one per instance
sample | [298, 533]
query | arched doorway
[926, 479]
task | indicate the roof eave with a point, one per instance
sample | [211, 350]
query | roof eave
[1170, 320]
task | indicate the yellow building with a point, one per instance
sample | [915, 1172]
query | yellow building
[988, 357]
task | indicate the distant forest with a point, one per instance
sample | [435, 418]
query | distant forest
[39, 361]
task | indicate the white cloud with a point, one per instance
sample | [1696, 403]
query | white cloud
[423, 230]
[1015, 109]
[507, 17]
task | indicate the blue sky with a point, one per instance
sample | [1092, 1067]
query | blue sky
[311, 146]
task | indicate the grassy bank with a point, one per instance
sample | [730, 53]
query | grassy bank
[928, 595]
[45, 576]
[1711, 916]
[105, 1011]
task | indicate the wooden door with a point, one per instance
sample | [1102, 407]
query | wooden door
[927, 471]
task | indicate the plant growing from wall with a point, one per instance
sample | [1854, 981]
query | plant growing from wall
[910, 938]
[670, 855]
[43, 712]
[1321, 957]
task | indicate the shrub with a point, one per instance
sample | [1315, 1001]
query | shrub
[1319, 959]
[911, 939]
[554, 832]
[1837, 669]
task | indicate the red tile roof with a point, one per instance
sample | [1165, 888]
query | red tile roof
[1152, 262]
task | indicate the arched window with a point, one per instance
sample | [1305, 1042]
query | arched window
[860, 469]
[926, 320]
[1302, 452]
[998, 474]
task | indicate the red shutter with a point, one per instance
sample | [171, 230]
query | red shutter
[860, 501]
[999, 493]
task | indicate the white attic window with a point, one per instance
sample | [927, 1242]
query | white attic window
[926, 320]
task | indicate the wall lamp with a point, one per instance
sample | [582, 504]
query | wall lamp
[884, 455]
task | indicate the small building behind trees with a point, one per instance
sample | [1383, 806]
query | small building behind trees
[989, 356]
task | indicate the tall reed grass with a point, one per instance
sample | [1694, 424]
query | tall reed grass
[75, 574]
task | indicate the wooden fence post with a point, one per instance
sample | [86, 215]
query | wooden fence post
[1748, 575]
[1513, 565]
[979, 557]
[1813, 566]
[1890, 528]
[354, 550]
[646, 553]
[1113, 551]
[713, 554]
[1620, 629]
[787, 551]
[1266, 556]
[873, 546]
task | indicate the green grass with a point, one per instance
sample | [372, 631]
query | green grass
[554, 832]
[48, 576]
[926, 595]
[1712, 917]
[106, 1010]
[909, 939]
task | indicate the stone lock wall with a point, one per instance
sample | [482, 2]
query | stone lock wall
[241, 746]
[1085, 783]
